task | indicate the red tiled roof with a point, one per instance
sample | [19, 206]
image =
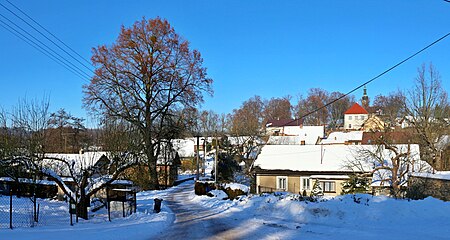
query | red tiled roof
[284, 122]
[356, 109]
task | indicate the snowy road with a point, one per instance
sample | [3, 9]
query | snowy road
[195, 221]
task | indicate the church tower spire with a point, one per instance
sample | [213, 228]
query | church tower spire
[365, 99]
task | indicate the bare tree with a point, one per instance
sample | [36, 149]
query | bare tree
[27, 156]
[427, 105]
[65, 132]
[95, 171]
[337, 109]
[391, 106]
[248, 119]
[317, 98]
[210, 122]
[277, 108]
[146, 74]
[388, 164]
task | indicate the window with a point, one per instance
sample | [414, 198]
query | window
[349, 117]
[306, 183]
[350, 126]
[282, 183]
[328, 186]
[362, 117]
[356, 117]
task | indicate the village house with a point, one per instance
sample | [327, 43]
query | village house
[283, 127]
[295, 168]
[373, 123]
[355, 117]
[302, 135]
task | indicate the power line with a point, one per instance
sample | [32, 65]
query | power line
[81, 57]
[49, 51]
[371, 80]
[26, 22]
[30, 42]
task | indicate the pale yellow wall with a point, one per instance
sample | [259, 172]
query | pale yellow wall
[294, 184]
[267, 181]
[374, 123]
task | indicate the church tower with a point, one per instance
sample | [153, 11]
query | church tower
[365, 99]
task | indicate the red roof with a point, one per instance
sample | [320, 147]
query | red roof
[356, 109]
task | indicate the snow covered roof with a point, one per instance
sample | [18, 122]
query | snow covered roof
[284, 140]
[342, 137]
[320, 158]
[27, 180]
[303, 157]
[243, 139]
[356, 109]
[79, 161]
[297, 135]
[184, 147]
[444, 175]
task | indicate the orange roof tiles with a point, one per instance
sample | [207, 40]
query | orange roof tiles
[356, 109]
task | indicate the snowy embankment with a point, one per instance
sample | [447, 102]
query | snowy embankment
[282, 216]
[55, 222]
[343, 217]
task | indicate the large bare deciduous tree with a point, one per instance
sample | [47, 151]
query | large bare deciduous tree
[306, 107]
[277, 108]
[337, 109]
[391, 106]
[428, 107]
[149, 73]
[248, 119]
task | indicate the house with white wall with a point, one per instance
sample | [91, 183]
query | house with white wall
[355, 117]
[293, 131]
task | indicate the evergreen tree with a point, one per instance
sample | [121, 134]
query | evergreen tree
[355, 184]
[317, 190]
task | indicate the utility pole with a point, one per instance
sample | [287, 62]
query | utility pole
[215, 160]
[198, 157]
[204, 157]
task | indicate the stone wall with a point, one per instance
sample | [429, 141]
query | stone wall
[421, 187]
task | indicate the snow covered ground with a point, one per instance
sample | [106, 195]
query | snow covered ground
[281, 216]
[55, 222]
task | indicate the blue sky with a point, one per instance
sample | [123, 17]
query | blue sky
[266, 48]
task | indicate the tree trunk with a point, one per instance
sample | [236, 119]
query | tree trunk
[152, 160]
[395, 181]
[82, 206]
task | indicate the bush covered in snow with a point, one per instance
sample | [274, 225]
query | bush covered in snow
[234, 190]
[203, 187]
[218, 194]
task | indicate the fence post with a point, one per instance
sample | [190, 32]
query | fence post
[108, 204]
[37, 214]
[123, 208]
[135, 202]
[10, 208]
[34, 208]
[76, 205]
[70, 212]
